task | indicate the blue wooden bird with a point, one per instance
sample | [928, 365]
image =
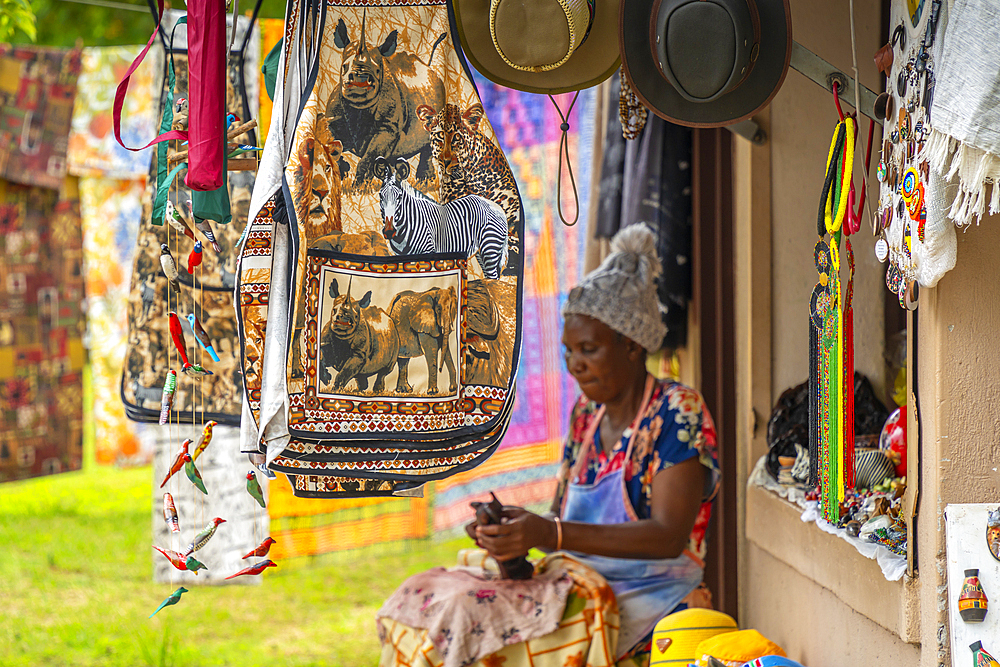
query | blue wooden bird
[200, 335]
[173, 598]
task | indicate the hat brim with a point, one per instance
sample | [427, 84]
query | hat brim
[593, 61]
[752, 95]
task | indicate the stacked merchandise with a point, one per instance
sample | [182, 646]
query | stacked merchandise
[380, 278]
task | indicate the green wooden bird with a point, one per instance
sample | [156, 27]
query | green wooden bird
[192, 474]
[253, 488]
[173, 598]
[193, 564]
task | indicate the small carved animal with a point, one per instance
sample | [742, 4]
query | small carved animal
[373, 108]
[425, 322]
[415, 224]
[469, 162]
[358, 341]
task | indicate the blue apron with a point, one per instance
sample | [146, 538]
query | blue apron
[646, 590]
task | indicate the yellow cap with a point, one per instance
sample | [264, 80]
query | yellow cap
[677, 636]
[735, 648]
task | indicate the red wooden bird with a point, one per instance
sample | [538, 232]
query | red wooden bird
[177, 333]
[178, 462]
[176, 559]
[254, 569]
[194, 257]
[261, 549]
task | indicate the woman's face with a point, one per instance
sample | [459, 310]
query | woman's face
[602, 361]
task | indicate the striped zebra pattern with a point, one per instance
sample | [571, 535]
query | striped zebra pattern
[415, 224]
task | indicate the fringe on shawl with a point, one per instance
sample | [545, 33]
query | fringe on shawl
[975, 170]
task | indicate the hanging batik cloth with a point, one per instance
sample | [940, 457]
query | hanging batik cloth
[206, 291]
[383, 261]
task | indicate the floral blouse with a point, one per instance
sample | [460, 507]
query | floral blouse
[676, 427]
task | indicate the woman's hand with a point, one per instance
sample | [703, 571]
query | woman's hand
[520, 531]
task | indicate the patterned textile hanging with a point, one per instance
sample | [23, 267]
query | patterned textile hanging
[380, 279]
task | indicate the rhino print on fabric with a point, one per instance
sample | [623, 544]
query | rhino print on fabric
[374, 107]
[390, 90]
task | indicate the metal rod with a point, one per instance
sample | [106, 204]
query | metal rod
[824, 74]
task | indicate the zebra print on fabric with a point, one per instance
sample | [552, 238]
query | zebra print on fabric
[415, 224]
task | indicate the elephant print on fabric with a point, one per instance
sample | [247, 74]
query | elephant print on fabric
[373, 109]
[425, 322]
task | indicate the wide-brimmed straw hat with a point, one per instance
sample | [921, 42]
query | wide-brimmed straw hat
[705, 63]
[540, 46]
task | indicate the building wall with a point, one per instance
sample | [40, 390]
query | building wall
[807, 590]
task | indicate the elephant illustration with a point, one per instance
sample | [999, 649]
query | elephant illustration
[425, 322]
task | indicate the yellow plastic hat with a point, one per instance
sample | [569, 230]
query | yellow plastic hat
[736, 648]
[676, 637]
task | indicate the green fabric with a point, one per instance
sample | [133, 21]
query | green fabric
[214, 204]
[162, 179]
[270, 69]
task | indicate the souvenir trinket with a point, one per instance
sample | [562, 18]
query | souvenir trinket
[167, 398]
[194, 257]
[993, 532]
[981, 657]
[170, 513]
[871, 467]
[253, 488]
[202, 538]
[193, 474]
[261, 549]
[176, 559]
[893, 278]
[972, 602]
[254, 569]
[881, 249]
[177, 334]
[915, 8]
[169, 266]
[203, 440]
[173, 598]
[178, 463]
[880, 172]
[904, 124]
[492, 513]
[201, 337]
[193, 564]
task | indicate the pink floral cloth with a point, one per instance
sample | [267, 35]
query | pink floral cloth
[469, 615]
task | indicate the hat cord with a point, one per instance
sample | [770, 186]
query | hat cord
[564, 149]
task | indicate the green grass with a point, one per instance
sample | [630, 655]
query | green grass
[76, 589]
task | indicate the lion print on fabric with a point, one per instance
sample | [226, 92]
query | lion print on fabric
[205, 293]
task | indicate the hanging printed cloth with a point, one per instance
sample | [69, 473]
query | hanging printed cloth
[204, 290]
[391, 299]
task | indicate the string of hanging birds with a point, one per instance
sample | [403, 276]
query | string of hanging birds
[181, 220]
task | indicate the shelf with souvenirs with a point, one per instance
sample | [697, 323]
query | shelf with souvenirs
[869, 483]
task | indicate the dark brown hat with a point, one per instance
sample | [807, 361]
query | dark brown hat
[705, 63]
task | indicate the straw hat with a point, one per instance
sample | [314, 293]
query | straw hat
[705, 63]
[540, 46]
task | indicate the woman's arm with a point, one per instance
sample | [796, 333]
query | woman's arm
[676, 499]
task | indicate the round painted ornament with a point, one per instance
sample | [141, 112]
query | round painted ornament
[892, 440]
[882, 250]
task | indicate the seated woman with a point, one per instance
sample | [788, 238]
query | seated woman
[639, 466]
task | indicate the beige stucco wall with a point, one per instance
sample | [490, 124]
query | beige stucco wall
[803, 118]
[807, 590]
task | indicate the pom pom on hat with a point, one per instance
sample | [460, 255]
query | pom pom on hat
[621, 292]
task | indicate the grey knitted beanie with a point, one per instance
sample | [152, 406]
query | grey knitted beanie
[621, 292]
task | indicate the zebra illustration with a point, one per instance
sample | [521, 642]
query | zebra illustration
[415, 224]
